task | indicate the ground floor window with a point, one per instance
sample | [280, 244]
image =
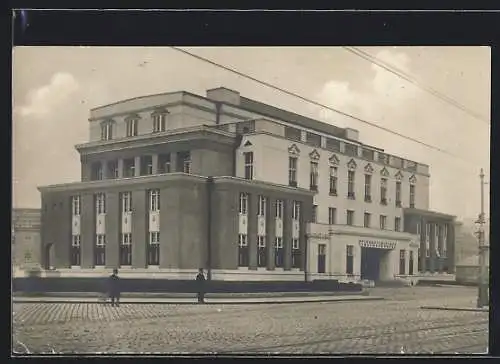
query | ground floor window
[243, 250]
[100, 250]
[419, 261]
[402, 262]
[349, 264]
[279, 253]
[75, 250]
[126, 249]
[154, 248]
[296, 254]
[321, 258]
[261, 251]
[410, 269]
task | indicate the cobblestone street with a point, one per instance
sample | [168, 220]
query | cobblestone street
[395, 325]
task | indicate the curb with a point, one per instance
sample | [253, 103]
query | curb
[207, 301]
[455, 309]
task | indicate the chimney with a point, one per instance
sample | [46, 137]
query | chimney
[223, 94]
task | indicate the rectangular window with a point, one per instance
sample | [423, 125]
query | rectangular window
[350, 217]
[349, 264]
[184, 162]
[131, 127]
[146, 165]
[313, 139]
[112, 169]
[296, 254]
[321, 258]
[75, 205]
[100, 250]
[350, 185]
[368, 154]
[383, 191]
[129, 167]
[248, 165]
[293, 133]
[427, 240]
[314, 216]
[398, 194]
[368, 188]
[75, 250]
[333, 181]
[278, 247]
[419, 261]
[242, 250]
[332, 215]
[100, 203]
[243, 208]
[164, 163]
[445, 241]
[97, 171]
[410, 268]
[106, 131]
[292, 171]
[279, 209]
[296, 210]
[418, 228]
[262, 206]
[397, 223]
[333, 144]
[402, 262]
[154, 200]
[412, 196]
[367, 220]
[351, 149]
[126, 249]
[154, 248]
[126, 199]
[261, 252]
[314, 176]
[159, 123]
[383, 222]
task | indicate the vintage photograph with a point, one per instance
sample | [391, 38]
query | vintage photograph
[250, 200]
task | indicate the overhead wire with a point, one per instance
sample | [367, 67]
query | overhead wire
[407, 77]
[316, 103]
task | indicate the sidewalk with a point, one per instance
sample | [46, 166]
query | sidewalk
[208, 300]
[444, 308]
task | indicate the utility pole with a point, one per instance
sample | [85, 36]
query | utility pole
[482, 296]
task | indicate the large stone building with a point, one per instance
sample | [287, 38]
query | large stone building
[176, 181]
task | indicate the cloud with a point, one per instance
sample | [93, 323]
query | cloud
[45, 99]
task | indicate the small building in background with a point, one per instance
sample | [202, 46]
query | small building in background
[25, 238]
[467, 252]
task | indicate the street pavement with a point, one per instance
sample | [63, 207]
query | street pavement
[395, 325]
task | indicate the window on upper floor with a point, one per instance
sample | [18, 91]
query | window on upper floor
[332, 215]
[383, 222]
[368, 154]
[107, 130]
[368, 188]
[313, 139]
[398, 194]
[126, 201]
[184, 162]
[131, 125]
[383, 191]
[333, 144]
[100, 203]
[262, 206]
[248, 156]
[164, 165]
[279, 209]
[350, 185]
[333, 181]
[350, 217]
[129, 167]
[313, 176]
[296, 210]
[367, 220]
[154, 200]
[314, 217]
[146, 165]
[159, 122]
[293, 133]
[292, 171]
[112, 167]
[97, 171]
[243, 206]
[351, 149]
[75, 205]
[412, 196]
[397, 223]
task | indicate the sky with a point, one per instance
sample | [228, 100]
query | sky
[55, 87]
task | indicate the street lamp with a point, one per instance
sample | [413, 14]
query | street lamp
[482, 294]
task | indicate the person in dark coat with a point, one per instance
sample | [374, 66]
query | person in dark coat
[200, 279]
[114, 288]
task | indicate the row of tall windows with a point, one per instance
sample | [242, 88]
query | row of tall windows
[143, 166]
[262, 239]
[333, 180]
[108, 126]
[367, 219]
[125, 243]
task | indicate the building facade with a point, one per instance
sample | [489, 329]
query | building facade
[25, 238]
[177, 181]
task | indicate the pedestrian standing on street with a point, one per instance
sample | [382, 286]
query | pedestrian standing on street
[201, 281]
[114, 288]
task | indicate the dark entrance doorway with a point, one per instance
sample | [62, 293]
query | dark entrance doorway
[370, 263]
